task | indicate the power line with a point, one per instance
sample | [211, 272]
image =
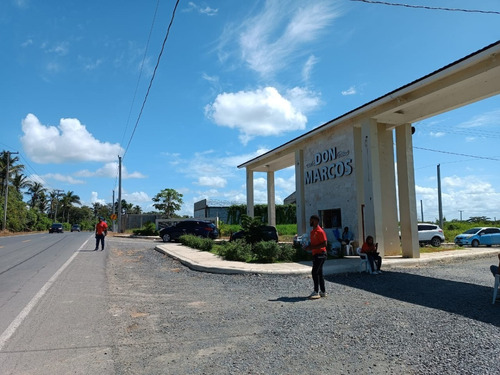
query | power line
[152, 77]
[141, 69]
[459, 154]
[428, 7]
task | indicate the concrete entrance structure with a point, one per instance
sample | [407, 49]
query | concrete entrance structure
[345, 169]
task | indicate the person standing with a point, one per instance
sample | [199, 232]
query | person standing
[101, 230]
[317, 247]
[371, 251]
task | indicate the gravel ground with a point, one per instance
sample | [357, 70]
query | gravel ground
[169, 319]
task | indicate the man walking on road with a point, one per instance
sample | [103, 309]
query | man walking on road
[101, 230]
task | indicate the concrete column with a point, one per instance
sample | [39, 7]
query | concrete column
[360, 192]
[372, 182]
[271, 199]
[250, 201]
[299, 192]
[406, 191]
[389, 223]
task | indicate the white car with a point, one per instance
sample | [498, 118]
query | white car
[430, 234]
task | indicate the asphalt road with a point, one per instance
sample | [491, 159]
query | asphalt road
[132, 310]
[52, 303]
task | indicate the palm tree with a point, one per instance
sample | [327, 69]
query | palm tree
[13, 168]
[68, 200]
[36, 190]
[20, 181]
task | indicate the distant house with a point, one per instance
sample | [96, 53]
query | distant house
[211, 208]
[290, 199]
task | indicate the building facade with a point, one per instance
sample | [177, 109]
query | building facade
[345, 170]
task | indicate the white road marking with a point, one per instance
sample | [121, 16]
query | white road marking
[24, 313]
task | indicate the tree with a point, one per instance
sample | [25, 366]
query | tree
[36, 190]
[13, 168]
[20, 181]
[68, 200]
[168, 201]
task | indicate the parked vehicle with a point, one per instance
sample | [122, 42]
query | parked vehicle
[479, 236]
[75, 228]
[430, 234]
[56, 228]
[200, 228]
[267, 233]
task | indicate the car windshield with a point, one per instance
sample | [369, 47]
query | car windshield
[472, 231]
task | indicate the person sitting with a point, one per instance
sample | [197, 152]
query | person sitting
[371, 251]
[346, 239]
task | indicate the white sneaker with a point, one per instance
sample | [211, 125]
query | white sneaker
[323, 294]
[314, 295]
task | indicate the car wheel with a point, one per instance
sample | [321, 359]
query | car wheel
[436, 241]
[166, 237]
[475, 243]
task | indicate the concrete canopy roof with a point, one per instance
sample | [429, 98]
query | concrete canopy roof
[470, 79]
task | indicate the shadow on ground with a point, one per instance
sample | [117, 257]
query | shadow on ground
[469, 300]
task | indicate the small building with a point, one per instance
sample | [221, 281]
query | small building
[345, 169]
[205, 209]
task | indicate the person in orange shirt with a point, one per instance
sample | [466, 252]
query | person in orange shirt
[101, 230]
[370, 249]
[317, 247]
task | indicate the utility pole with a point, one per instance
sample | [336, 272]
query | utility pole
[460, 214]
[422, 210]
[4, 225]
[440, 202]
[58, 192]
[119, 194]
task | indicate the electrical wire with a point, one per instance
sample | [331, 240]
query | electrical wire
[428, 7]
[152, 77]
[140, 70]
[456, 153]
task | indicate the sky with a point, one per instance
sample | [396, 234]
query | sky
[234, 79]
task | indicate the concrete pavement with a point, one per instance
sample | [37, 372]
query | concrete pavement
[208, 262]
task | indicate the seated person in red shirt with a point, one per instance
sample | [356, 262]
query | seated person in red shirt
[370, 249]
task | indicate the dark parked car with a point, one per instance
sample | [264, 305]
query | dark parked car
[75, 228]
[267, 233]
[198, 228]
[56, 228]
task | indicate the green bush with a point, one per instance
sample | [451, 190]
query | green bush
[237, 250]
[203, 244]
[149, 229]
[266, 251]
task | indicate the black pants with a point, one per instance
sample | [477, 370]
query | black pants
[99, 238]
[375, 261]
[317, 272]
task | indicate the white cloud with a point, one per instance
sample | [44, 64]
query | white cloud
[27, 43]
[214, 181]
[484, 119]
[471, 194]
[308, 66]
[62, 178]
[263, 112]
[303, 100]
[69, 142]
[274, 37]
[200, 9]
[350, 91]
[437, 134]
[109, 170]
[136, 197]
[94, 198]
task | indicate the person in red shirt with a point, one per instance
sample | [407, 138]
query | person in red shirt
[317, 246]
[101, 230]
[370, 249]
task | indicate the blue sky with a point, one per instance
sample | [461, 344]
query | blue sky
[236, 79]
